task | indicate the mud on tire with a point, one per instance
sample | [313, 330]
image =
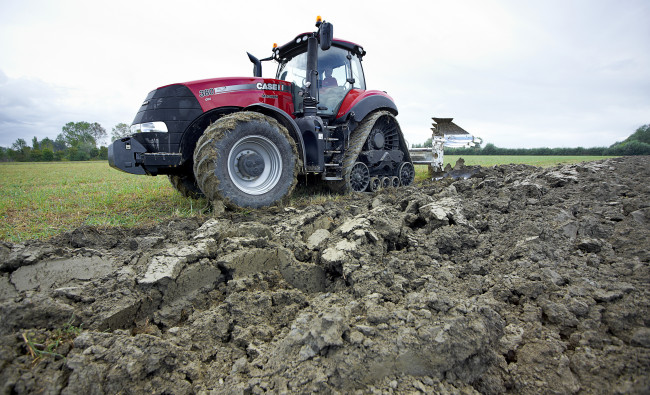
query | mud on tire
[246, 159]
[186, 185]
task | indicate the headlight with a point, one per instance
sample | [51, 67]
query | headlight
[149, 127]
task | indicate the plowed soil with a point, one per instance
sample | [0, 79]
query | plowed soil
[517, 279]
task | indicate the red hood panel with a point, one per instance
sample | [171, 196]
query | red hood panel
[242, 92]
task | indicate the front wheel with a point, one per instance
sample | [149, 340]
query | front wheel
[186, 185]
[246, 159]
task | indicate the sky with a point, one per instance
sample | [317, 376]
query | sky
[552, 73]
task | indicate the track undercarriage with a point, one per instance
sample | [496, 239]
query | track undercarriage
[376, 157]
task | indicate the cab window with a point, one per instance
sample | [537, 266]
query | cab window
[338, 72]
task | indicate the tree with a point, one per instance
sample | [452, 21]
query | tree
[35, 144]
[75, 133]
[21, 151]
[47, 155]
[59, 144]
[633, 147]
[489, 149]
[103, 153]
[98, 132]
[638, 143]
[36, 155]
[119, 131]
[642, 134]
[81, 151]
[47, 143]
[19, 145]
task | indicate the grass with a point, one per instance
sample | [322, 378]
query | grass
[40, 200]
[47, 344]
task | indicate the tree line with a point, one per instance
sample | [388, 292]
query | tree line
[78, 141]
[637, 143]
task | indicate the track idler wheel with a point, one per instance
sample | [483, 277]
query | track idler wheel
[406, 173]
[359, 177]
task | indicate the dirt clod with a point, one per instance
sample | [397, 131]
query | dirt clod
[517, 279]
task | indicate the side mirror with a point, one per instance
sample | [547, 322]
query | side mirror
[326, 34]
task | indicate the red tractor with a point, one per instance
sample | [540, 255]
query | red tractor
[245, 140]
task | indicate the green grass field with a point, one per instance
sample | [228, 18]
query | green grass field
[40, 200]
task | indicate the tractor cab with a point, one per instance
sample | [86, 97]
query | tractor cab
[338, 71]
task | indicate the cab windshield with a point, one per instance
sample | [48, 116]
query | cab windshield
[339, 71]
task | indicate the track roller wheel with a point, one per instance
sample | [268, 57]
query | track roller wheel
[375, 184]
[385, 182]
[394, 181]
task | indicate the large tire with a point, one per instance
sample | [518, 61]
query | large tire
[246, 159]
[186, 185]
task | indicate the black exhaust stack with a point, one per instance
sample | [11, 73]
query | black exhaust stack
[257, 65]
[310, 100]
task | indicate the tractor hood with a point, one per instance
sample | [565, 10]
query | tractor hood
[241, 92]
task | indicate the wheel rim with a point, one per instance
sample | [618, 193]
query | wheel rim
[384, 135]
[254, 165]
[359, 177]
[406, 173]
[374, 184]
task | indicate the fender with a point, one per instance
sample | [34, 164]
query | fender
[194, 130]
[286, 121]
[360, 103]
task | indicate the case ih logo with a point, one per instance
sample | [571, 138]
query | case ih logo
[270, 87]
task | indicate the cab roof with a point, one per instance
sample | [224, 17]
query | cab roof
[299, 45]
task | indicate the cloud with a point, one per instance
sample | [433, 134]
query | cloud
[29, 107]
[518, 74]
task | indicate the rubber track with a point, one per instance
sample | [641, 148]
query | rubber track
[357, 140]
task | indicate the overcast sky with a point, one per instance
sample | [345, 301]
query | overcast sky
[516, 73]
